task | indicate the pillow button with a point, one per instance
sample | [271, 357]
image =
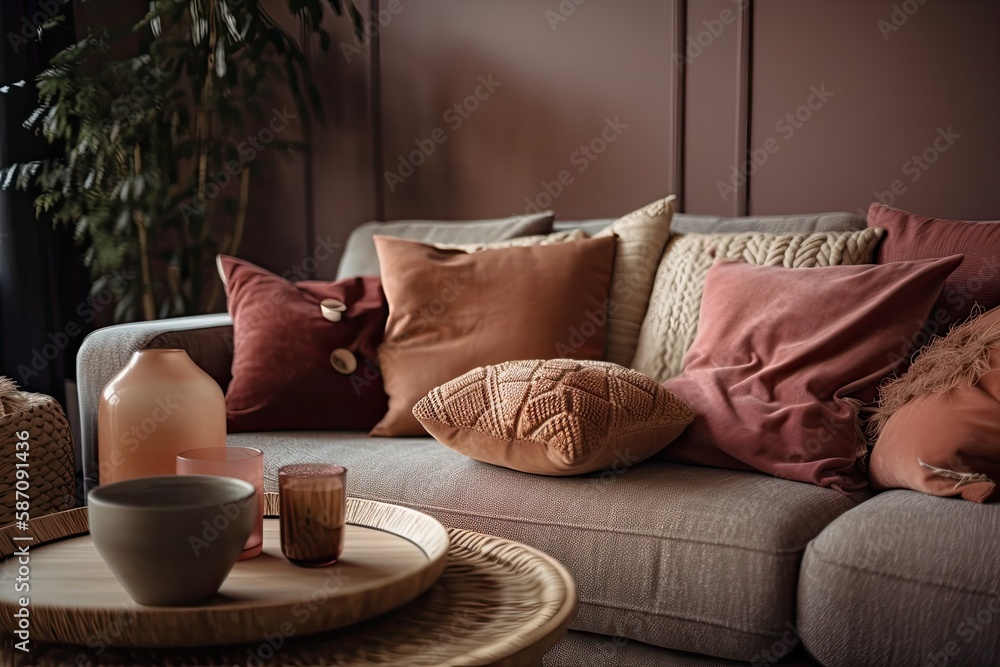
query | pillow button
[343, 361]
[331, 309]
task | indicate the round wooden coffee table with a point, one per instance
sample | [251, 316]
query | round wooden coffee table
[497, 603]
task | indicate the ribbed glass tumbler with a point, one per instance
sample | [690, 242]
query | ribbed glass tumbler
[313, 499]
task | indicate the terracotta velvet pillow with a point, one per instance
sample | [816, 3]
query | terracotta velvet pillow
[977, 281]
[300, 363]
[556, 417]
[938, 426]
[451, 311]
[784, 359]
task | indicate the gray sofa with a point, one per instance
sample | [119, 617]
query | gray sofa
[675, 565]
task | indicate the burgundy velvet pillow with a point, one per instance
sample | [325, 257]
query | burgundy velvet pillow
[294, 367]
[784, 358]
[977, 280]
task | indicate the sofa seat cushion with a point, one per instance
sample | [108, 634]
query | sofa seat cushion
[904, 579]
[692, 559]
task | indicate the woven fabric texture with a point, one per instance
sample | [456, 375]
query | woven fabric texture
[671, 321]
[555, 417]
[578, 649]
[642, 235]
[904, 579]
[689, 558]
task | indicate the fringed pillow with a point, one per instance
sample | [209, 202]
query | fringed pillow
[938, 426]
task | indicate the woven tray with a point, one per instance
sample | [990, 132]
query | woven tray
[497, 603]
[49, 453]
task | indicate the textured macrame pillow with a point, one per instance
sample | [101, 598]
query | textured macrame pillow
[556, 417]
[671, 321]
[938, 426]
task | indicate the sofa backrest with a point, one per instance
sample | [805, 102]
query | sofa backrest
[807, 223]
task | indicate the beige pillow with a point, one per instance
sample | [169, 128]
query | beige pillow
[642, 236]
[556, 417]
[671, 321]
[521, 242]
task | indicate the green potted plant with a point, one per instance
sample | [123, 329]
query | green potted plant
[155, 165]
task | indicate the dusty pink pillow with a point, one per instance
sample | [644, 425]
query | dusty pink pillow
[784, 358]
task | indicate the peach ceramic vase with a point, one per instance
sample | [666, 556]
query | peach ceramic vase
[158, 406]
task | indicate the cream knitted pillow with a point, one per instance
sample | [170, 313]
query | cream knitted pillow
[642, 236]
[671, 321]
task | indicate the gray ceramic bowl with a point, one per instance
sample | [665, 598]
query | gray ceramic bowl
[172, 540]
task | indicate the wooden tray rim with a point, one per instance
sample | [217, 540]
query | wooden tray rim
[72, 523]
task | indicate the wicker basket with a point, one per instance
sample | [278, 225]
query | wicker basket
[49, 454]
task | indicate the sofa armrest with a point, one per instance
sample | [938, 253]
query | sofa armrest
[208, 340]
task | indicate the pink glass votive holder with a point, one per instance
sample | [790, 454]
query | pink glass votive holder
[313, 499]
[244, 463]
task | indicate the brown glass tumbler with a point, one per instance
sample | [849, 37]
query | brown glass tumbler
[313, 499]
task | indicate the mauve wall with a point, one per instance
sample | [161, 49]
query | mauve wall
[560, 106]
[565, 68]
[912, 105]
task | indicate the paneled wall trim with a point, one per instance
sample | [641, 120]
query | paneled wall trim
[737, 106]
